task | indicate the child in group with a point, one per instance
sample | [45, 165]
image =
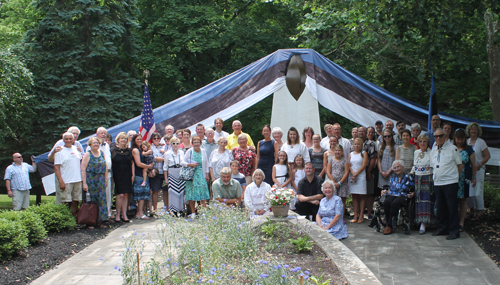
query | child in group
[281, 171]
[338, 172]
[298, 171]
[149, 158]
[237, 175]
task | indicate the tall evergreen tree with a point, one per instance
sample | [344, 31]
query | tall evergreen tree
[81, 55]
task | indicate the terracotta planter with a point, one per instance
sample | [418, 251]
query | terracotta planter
[280, 211]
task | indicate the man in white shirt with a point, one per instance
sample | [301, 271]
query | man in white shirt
[169, 130]
[59, 144]
[219, 123]
[325, 142]
[337, 131]
[101, 135]
[67, 170]
[446, 163]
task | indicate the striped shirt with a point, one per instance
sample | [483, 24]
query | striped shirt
[19, 176]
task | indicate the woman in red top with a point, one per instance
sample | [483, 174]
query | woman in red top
[246, 157]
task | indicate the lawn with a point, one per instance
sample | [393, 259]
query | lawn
[6, 201]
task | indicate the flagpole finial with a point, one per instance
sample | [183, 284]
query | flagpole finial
[146, 75]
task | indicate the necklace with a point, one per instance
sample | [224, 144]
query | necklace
[422, 154]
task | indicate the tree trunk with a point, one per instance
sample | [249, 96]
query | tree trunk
[493, 50]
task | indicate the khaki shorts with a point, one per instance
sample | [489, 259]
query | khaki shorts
[73, 192]
[20, 199]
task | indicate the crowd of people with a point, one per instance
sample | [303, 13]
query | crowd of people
[441, 169]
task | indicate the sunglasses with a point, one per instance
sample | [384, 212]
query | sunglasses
[174, 143]
[439, 136]
[156, 138]
[386, 137]
[18, 157]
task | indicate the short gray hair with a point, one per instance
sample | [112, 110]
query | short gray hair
[277, 129]
[400, 161]
[74, 128]
[328, 181]
[258, 170]
[68, 134]
[415, 126]
[438, 129]
[225, 170]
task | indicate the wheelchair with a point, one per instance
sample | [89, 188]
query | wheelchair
[405, 218]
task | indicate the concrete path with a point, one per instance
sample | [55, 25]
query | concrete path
[100, 262]
[421, 259]
[394, 259]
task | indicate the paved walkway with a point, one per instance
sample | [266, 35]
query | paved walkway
[394, 259]
[421, 259]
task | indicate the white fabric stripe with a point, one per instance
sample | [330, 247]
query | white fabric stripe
[243, 104]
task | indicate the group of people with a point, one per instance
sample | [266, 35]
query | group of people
[440, 169]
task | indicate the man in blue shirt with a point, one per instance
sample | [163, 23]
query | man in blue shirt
[17, 181]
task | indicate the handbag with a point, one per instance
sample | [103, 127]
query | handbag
[187, 173]
[87, 215]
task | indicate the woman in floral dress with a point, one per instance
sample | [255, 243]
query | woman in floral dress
[197, 189]
[94, 173]
[246, 157]
[338, 172]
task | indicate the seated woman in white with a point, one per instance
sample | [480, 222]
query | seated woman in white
[255, 195]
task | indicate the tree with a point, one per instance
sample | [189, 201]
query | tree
[188, 44]
[15, 100]
[82, 55]
[16, 18]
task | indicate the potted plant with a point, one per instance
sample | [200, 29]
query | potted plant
[279, 199]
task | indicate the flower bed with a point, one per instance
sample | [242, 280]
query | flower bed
[219, 246]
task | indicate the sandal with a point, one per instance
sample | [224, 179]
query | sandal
[123, 220]
[144, 217]
[355, 220]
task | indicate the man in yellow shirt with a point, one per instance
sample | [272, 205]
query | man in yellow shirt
[232, 139]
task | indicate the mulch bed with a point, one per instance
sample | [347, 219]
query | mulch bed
[34, 261]
[486, 233]
[315, 261]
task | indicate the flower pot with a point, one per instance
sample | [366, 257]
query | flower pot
[280, 211]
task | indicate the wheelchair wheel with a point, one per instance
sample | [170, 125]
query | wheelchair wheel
[406, 228]
[411, 210]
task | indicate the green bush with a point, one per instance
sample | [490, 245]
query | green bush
[31, 221]
[490, 194]
[56, 217]
[13, 237]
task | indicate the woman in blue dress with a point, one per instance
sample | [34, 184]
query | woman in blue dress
[331, 211]
[197, 189]
[267, 149]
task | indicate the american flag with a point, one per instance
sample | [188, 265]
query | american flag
[147, 124]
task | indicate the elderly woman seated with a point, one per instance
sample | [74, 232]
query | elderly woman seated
[330, 212]
[400, 188]
[255, 195]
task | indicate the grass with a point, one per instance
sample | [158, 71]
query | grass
[6, 201]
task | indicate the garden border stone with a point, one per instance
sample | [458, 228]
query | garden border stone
[354, 270]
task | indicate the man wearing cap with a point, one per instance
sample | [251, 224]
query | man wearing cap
[446, 163]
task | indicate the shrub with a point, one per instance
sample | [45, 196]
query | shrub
[490, 194]
[13, 237]
[56, 217]
[31, 221]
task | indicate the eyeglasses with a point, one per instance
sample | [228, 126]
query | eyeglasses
[156, 138]
[174, 143]
[439, 136]
[18, 157]
[386, 137]
[422, 141]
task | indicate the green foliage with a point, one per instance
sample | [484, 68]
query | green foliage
[16, 17]
[319, 281]
[269, 229]
[82, 55]
[302, 244]
[32, 223]
[490, 194]
[15, 101]
[13, 238]
[188, 44]
[56, 217]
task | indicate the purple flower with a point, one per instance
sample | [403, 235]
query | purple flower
[284, 276]
[263, 262]
[306, 272]
[210, 281]
[306, 277]
[193, 250]
[286, 266]
[263, 275]
[101, 258]
[116, 267]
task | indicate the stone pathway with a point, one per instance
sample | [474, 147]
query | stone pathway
[421, 259]
[393, 259]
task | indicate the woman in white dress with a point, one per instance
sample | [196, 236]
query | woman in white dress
[293, 146]
[255, 195]
[358, 160]
[219, 158]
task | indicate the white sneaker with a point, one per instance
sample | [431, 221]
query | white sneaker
[192, 216]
